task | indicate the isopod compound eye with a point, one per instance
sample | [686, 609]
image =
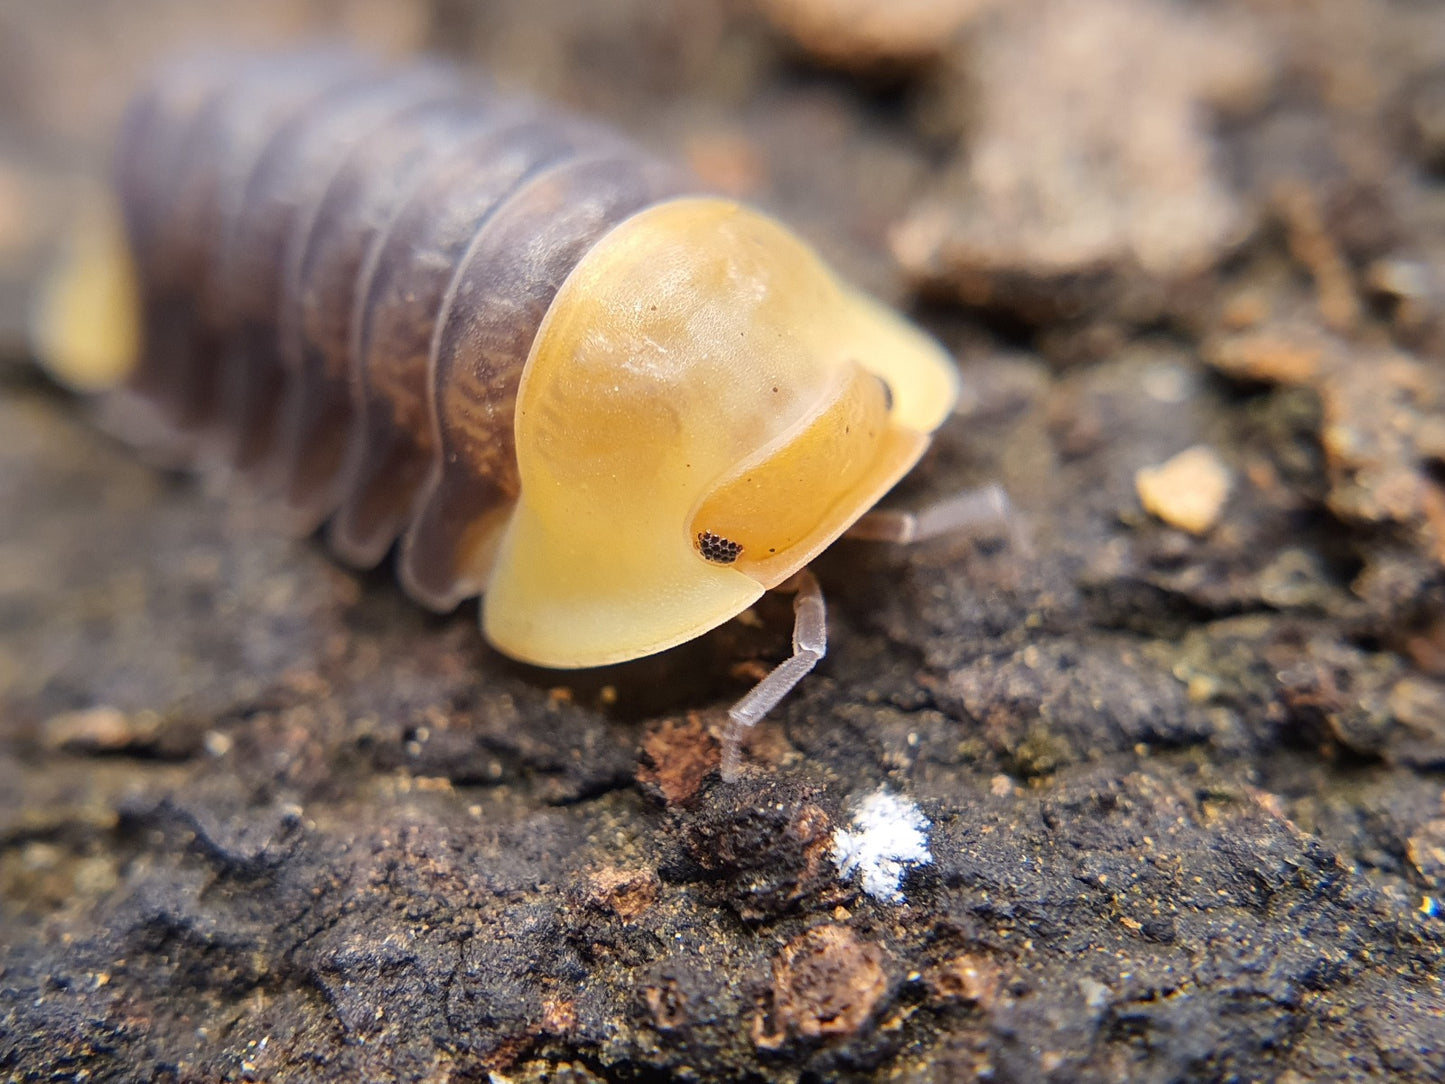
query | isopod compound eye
[716, 548]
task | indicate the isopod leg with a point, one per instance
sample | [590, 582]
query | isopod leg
[315, 430]
[446, 553]
[381, 490]
[810, 643]
[972, 511]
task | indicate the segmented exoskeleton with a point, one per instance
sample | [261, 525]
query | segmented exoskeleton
[342, 271]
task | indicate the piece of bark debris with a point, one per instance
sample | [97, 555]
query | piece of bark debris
[1188, 491]
[1380, 421]
[100, 730]
[668, 1005]
[559, 1016]
[826, 983]
[1068, 180]
[861, 34]
[764, 848]
[677, 757]
[626, 893]
[968, 978]
[1317, 250]
[1426, 852]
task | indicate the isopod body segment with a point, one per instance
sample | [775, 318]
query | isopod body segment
[553, 369]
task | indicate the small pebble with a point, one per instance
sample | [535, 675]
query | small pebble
[1188, 491]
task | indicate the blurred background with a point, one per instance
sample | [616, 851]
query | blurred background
[1030, 158]
[697, 79]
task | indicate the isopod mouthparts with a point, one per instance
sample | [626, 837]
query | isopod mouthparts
[531, 353]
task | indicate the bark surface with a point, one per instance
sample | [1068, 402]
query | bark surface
[1179, 741]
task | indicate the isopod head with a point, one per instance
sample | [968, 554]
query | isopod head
[705, 408]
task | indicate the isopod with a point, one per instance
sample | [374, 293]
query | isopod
[552, 368]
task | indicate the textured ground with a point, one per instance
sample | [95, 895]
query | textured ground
[1181, 742]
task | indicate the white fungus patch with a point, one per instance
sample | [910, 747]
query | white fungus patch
[889, 834]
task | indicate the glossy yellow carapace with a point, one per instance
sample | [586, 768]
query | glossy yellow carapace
[700, 375]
